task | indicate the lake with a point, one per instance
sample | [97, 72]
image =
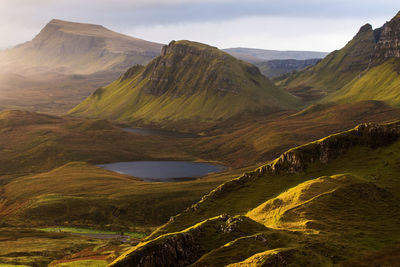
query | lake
[164, 171]
[146, 131]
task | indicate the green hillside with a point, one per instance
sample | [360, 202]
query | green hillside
[332, 201]
[335, 70]
[189, 81]
[381, 82]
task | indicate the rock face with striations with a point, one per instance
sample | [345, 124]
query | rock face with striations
[188, 81]
[388, 44]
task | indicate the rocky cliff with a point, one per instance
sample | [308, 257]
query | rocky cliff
[388, 40]
[188, 81]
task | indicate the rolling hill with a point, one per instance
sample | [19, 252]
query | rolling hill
[334, 201]
[189, 81]
[66, 62]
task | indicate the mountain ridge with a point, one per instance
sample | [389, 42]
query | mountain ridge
[189, 80]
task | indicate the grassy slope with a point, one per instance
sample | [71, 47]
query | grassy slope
[33, 143]
[370, 194]
[29, 247]
[334, 71]
[206, 85]
[81, 194]
[379, 83]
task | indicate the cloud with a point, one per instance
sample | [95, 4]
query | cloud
[21, 19]
[280, 33]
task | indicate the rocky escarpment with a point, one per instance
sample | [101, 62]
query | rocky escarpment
[209, 69]
[188, 81]
[331, 147]
[322, 151]
[388, 43]
[184, 248]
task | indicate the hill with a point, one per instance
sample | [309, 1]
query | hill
[380, 81]
[335, 70]
[78, 48]
[332, 201]
[365, 69]
[253, 55]
[66, 62]
[189, 81]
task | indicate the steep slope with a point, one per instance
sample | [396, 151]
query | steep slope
[253, 55]
[381, 80]
[78, 48]
[367, 68]
[189, 81]
[336, 70]
[338, 196]
[65, 63]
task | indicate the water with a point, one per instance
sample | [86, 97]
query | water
[164, 171]
[144, 131]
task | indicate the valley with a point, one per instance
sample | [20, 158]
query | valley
[116, 151]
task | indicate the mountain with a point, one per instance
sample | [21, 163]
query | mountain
[334, 201]
[367, 68]
[66, 62]
[189, 81]
[253, 55]
[381, 79]
[275, 68]
[78, 48]
[335, 70]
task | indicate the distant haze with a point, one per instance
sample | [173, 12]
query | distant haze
[267, 24]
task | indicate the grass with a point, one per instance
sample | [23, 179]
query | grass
[379, 83]
[24, 246]
[77, 230]
[338, 210]
[334, 71]
[83, 263]
[173, 93]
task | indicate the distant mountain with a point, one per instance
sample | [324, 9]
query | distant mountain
[189, 81]
[78, 48]
[69, 60]
[253, 55]
[275, 68]
[367, 68]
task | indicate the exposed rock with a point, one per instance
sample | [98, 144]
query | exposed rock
[388, 45]
[329, 148]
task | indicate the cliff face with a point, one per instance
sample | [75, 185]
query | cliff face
[388, 44]
[187, 68]
[331, 147]
[185, 247]
[188, 81]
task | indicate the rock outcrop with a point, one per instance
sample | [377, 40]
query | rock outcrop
[329, 148]
[388, 43]
[184, 248]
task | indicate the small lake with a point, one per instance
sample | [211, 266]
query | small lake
[164, 171]
[146, 131]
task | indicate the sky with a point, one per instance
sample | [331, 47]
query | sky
[315, 25]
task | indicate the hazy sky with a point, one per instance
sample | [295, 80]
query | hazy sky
[321, 25]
